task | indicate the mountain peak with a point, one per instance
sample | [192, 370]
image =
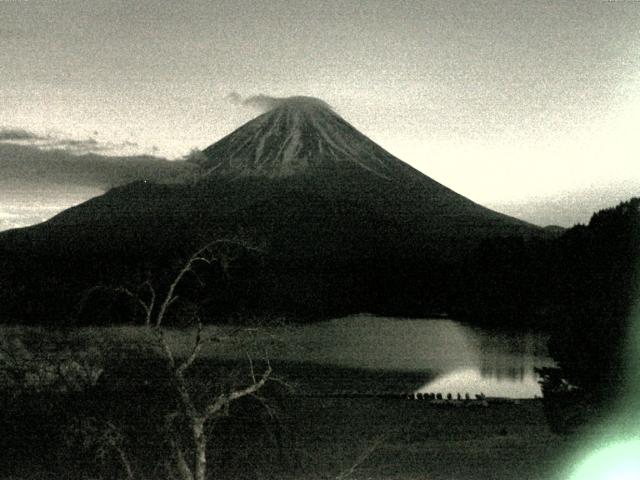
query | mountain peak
[299, 103]
[298, 135]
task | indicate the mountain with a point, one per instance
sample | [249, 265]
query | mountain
[346, 226]
[301, 136]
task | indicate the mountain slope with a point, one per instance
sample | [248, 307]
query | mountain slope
[304, 142]
[347, 226]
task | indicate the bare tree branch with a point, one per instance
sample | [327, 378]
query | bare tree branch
[225, 399]
[183, 468]
[113, 438]
[288, 385]
[198, 256]
[253, 373]
[197, 346]
[148, 307]
[270, 411]
[366, 453]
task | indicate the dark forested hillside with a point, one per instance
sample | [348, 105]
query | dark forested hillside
[580, 286]
[600, 282]
[544, 281]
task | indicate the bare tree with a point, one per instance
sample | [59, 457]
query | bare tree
[191, 463]
[196, 417]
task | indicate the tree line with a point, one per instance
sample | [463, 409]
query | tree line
[581, 288]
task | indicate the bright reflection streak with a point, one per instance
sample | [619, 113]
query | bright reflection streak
[472, 381]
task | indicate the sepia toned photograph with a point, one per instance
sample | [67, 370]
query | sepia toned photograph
[319, 240]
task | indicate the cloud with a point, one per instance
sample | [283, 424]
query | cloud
[261, 101]
[88, 144]
[25, 137]
[235, 98]
[265, 103]
[29, 164]
[17, 134]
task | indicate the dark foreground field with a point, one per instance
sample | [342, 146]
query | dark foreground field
[326, 438]
[303, 437]
[332, 438]
[53, 432]
[418, 441]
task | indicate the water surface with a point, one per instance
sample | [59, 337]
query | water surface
[454, 357]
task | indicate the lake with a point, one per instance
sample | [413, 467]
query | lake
[449, 356]
[360, 354]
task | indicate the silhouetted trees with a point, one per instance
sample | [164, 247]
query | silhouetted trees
[579, 286]
[595, 285]
[505, 283]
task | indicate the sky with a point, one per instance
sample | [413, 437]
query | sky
[529, 107]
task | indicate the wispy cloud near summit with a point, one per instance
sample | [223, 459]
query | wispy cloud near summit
[261, 101]
[265, 103]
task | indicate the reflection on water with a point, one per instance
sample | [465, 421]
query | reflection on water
[473, 381]
[379, 343]
[455, 358]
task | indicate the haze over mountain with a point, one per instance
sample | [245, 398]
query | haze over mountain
[345, 224]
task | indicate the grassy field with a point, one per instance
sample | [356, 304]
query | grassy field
[419, 441]
[305, 433]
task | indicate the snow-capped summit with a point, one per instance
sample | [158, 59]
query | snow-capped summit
[299, 135]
